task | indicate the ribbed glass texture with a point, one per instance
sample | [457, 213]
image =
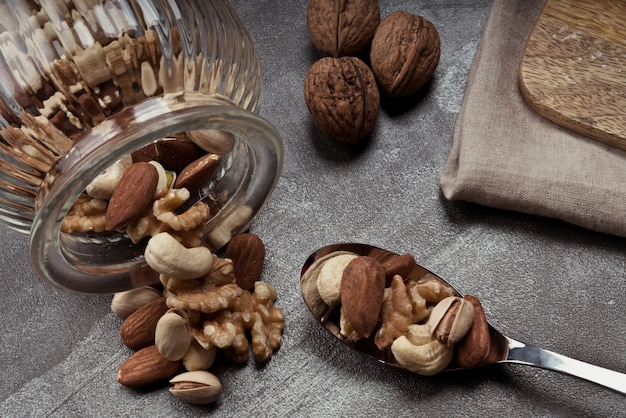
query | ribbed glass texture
[66, 66]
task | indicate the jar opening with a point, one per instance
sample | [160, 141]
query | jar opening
[105, 261]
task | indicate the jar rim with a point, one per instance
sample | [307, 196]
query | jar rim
[137, 126]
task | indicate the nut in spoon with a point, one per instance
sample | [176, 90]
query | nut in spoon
[502, 349]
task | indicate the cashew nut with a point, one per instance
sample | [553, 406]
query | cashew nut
[329, 278]
[212, 140]
[427, 359]
[169, 257]
[102, 186]
[419, 334]
[235, 221]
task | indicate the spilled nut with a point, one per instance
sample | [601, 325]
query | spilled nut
[197, 387]
[169, 257]
[198, 357]
[127, 302]
[173, 335]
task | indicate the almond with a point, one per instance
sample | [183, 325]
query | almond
[146, 154]
[198, 173]
[473, 349]
[145, 367]
[401, 265]
[175, 154]
[132, 195]
[362, 289]
[247, 253]
[137, 330]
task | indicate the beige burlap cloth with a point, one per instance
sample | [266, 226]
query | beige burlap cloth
[505, 155]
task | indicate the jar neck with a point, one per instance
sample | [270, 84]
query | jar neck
[110, 262]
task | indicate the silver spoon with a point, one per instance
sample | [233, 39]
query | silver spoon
[503, 349]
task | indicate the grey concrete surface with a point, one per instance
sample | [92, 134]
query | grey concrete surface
[541, 281]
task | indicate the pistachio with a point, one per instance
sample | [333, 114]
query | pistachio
[127, 302]
[173, 335]
[451, 319]
[198, 357]
[197, 387]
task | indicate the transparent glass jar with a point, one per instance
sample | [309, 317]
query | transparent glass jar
[85, 84]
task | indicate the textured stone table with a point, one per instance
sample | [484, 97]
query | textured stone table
[540, 281]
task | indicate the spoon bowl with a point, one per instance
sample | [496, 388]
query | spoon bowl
[503, 349]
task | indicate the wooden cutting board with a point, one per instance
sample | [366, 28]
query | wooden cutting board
[573, 69]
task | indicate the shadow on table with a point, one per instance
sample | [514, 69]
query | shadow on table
[462, 214]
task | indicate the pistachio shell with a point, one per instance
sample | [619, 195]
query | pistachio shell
[127, 302]
[451, 328]
[198, 357]
[198, 387]
[438, 311]
[173, 335]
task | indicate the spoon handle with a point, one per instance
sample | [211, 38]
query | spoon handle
[531, 355]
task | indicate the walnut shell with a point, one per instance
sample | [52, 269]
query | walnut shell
[342, 98]
[342, 27]
[404, 53]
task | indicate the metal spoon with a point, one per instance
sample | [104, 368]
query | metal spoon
[503, 349]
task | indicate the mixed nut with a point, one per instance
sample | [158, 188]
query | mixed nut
[199, 303]
[341, 91]
[414, 320]
[148, 191]
[201, 309]
[204, 303]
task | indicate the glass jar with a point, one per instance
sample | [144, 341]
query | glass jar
[85, 84]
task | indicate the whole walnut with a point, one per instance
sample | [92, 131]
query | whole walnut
[342, 27]
[404, 53]
[342, 97]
